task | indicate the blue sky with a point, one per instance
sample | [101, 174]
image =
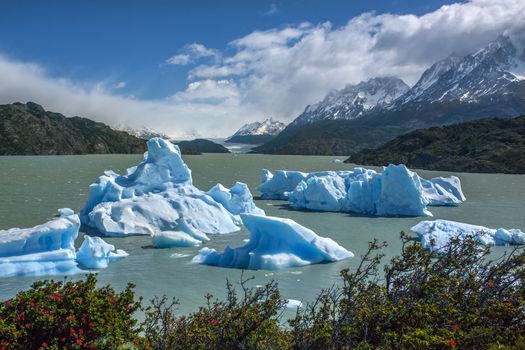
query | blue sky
[206, 67]
[130, 40]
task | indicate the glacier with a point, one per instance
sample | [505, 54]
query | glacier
[396, 191]
[436, 234]
[153, 196]
[49, 248]
[275, 243]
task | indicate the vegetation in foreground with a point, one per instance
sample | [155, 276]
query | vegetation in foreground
[458, 298]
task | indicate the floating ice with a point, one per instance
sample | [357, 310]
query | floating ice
[65, 212]
[49, 249]
[277, 186]
[186, 236]
[293, 304]
[94, 253]
[396, 191]
[275, 243]
[438, 233]
[237, 199]
[154, 195]
[46, 249]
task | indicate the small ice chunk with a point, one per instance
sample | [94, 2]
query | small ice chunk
[434, 235]
[293, 304]
[170, 239]
[65, 212]
[237, 199]
[95, 253]
[185, 235]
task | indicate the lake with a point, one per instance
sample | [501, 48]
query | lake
[32, 188]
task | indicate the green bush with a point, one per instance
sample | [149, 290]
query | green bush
[422, 300]
[69, 315]
[249, 321]
[457, 298]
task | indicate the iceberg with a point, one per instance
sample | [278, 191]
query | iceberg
[396, 191]
[49, 249]
[46, 249]
[237, 199]
[186, 236]
[153, 196]
[275, 243]
[277, 186]
[434, 235]
[94, 253]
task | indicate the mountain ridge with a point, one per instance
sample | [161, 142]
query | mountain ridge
[28, 129]
[257, 132]
[487, 145]
[487, 82]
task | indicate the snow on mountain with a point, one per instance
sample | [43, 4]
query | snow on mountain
[144, 132]
[492, 70]
[268, 127]
[354, 100]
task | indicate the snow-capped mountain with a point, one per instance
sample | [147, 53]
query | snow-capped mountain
[489, 82]
[144, 132]
[354, 101]
[491, 70]
[267, 127]
[257, 132]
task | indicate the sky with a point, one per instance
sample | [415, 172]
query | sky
[204, 68]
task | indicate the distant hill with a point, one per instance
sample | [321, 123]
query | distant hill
[329, 137]
[199, 146]
[257, 132]
[482, 146]
[487, 82]
[28, 129]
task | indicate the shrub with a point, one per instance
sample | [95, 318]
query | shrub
[68, 315]
[422, 300]
[457, 298]
[248, 321]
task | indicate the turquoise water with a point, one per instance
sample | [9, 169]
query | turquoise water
[32, 188]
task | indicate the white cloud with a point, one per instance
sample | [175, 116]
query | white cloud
[274, 9]
[275, 72]
[180, 118]
[210, 90]
[282, 70]
[191, 53]
[121, 85]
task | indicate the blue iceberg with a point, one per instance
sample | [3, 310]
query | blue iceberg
[396, 191]
[185, 236]
[237, 199]
[153, 196]
[434, 235]
[274, 244]
[49, 249]
[94, 253]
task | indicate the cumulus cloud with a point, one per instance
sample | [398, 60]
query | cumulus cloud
[180, 118]
[282, 70]
[191, 53]
[276, 72]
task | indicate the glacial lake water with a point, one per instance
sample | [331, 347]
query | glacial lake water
[32, 188]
